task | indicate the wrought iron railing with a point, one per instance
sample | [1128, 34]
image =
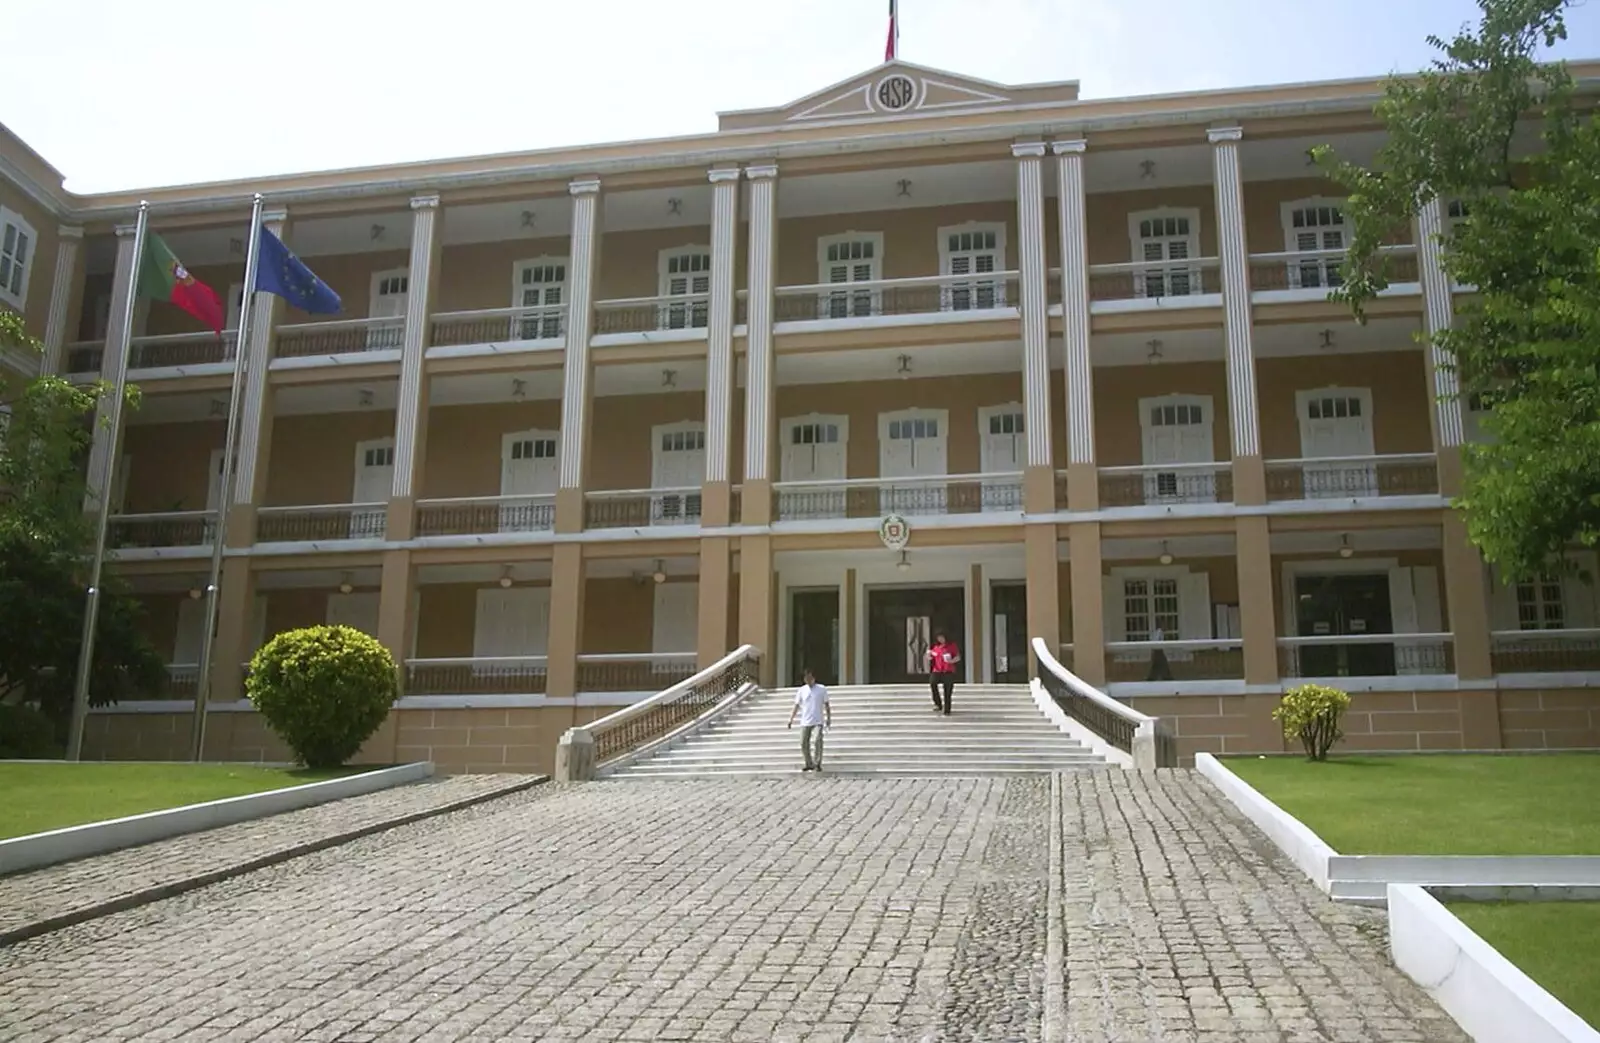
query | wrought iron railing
[182, 349]
[1142, 737]
[1366, 655]
[1353, 477]
[1164, 282]
[640, 508]
[84, 356]
[633, 671]
[1323, 269]
[875, 497]
[165, 529]
[1164, 484]
[499, 675]
[979, 295]
[473, 516]
[1212, 659]
[347, 336]
[1546, 651]
[183, 680]
[313, 523]
[498, 325]
[1063, 496]
[689, 311]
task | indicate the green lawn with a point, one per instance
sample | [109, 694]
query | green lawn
[1439, 804]
[35, 798]
[1557, 944]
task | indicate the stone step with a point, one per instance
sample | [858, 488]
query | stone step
[658, 770]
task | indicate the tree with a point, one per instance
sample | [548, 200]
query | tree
[1498, 135]
[45, 543]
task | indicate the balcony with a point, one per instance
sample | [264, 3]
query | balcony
[498, 326]
[183, 681]
[84, 357]
[641, 508]
[686, 313]
[1136, 286]
[349, 336]
[160, 530]
[1211, 659]
[1366, 655]
[634, 671]
[179, 350]
[484, 515]
[941, 297]
[321, 523]
[1352, 477]
[1313, 274]
[876, 497]
[508, 675]
[1166, 485]
[1546, 651]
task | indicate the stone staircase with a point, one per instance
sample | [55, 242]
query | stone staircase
[878, 730]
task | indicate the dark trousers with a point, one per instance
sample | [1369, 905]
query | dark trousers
[938, 683]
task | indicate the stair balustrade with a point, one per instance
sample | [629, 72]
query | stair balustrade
[1146, 740]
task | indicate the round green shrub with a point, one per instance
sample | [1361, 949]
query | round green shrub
[324, 690]
[1312, 713]
[27, 734]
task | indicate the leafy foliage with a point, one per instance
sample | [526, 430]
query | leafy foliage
[324, 690]
[27, 734]
[1312, 713]
[1496, 132]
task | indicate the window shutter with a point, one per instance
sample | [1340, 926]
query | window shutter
[1194, 607]
[1113, 610]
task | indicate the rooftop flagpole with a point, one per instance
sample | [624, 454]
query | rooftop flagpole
[91, 609]
[219, 524]
[891, 50]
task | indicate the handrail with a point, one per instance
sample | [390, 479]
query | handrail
[665, 298]
[885, 284]
[503, 498]
[920, 479]
[1314, 255]
[496, 313]
[162, 516]
[1154, 266]
[503, 660]
[1375, 458]
[635, 657]
[1313, 640]
[176, 338]
[1142, 737]
[1574, 633]
[343, 324]
[1185, 644]
[285, 509]
[608, 494]
[1205, 465]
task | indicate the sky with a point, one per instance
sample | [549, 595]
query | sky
[122, 94]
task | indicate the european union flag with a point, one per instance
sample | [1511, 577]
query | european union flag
[281, 272]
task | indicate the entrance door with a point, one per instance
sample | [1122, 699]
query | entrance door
[1008, 611]
[679, 463]
[901, 623]
[528, 467]
[1344, 603]
[912, 445]
[1336, 423]
[389, 293]
[1177, 430]
[374, 481]
[814, 634]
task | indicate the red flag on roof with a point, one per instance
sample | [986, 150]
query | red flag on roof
[889, 48]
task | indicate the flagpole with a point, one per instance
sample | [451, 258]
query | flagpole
[219, 527]
[108, 467]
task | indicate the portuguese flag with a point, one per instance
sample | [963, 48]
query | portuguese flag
[163, 277]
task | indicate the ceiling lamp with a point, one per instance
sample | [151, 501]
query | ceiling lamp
[345, 586]
[904, 564]
[660, 574]
[195, 592]
[1166, 555]
[505, 576]
[1345, 550]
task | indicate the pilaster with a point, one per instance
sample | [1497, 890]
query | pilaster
[1043, 588]
[566, 623]
[1257, 619]
[1088, 596]
[411, 408]
[1075, 323]
[1035, 320]
[757, 623]
[112, 362]
[395, 606]
[66, 287]
[756, 503]
[582, 265]
[253, 448]
[716, 575]
[719, 350]
[1449, 431]
[1243, 413]
[236, 594]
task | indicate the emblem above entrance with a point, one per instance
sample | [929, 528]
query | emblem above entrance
[895, 532]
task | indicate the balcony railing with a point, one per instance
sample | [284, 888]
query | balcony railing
[501, 675]
[927, 295]
[689, 311]
[183, 680]
[1546, 651]
[1322, 269]
[1353, 477]
[182, 349]
[347, 336]
[479, 515]
[639, 508]
[1210, 659]
[1166, 484]
[634, 671]
[84, 356]
[875, 497]
[162, 529]
[1165, 282]
[1366, 655]
[313, 523]
[499, 325]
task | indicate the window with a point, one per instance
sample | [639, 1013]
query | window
[814, 434]
[1334, 408]
[532, 449]
[16, 257]
[1540, 605]
[914, 430]
[1159, 238]
[974, 250]
[683, 441]
[1005, 424]
[1312, 226]
[539, 284]
[852, 257]
[1150, 609]
[686, 272]
[378, 456]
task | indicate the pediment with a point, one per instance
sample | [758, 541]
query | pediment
[896, 90]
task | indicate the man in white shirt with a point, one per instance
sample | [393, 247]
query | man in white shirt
[812, 707]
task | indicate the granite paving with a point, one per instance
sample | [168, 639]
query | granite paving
[808, 908]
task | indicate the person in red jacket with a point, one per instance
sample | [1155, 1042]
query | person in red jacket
[942, 659]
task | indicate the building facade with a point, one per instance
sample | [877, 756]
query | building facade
[593, 417]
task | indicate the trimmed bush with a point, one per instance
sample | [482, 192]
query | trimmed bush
[324, 690]
[1311, 713]
[27, 734]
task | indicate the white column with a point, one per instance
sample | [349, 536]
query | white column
[65, 283]
[719, 322]
[1234, 256]
[1075, 300]
[758, 384]
[581, 267]
[1035, 318]
[106, 440]
[413, 403]
[257, 345]
[1437, 295]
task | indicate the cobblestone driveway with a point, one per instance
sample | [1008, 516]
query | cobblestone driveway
[794, 909]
